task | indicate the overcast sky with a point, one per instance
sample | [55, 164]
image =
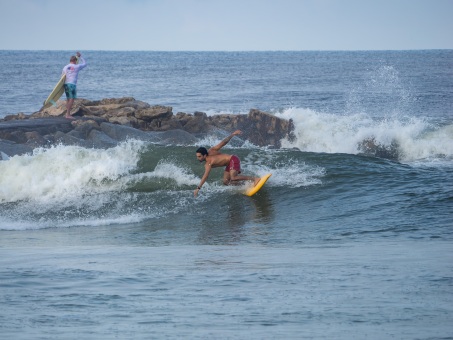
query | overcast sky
[226, 25]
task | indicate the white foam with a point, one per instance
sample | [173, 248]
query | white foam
[168, 170]
[64, 172]
[288, 173]
[414, 138]
[431, 145]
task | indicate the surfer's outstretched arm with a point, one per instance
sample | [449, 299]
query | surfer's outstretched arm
[225, 141]
[203, 179]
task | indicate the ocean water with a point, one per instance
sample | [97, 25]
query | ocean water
[352, 236]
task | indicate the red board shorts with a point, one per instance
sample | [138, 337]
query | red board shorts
[235, 164]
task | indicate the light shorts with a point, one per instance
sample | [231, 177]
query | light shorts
[70, 90]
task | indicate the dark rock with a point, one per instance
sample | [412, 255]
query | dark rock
[261, 128]
[371, 147]
[163, 124]
[76, 134]
[9, 149]
[34, 139]
[115, 101]
[177, 137]
[122, 133]
[67, 139]
[50, 139]
[154, 112]
[84, 127]
[43, 125]
[196, 123]
[16, 136]
[20, 115]
[182, 117]
[128, 121]
[100, 140]
[265, 129]
[126, 111]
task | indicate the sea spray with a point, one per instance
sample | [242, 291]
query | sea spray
[286, 169]
[382, 94]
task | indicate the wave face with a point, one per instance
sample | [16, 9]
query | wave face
[67, 185]
[135, 182]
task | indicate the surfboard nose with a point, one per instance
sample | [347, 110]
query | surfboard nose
[253, 190]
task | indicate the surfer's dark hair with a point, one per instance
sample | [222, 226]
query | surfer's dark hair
[203, 151]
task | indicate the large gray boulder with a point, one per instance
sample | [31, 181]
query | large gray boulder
[177, 137]
[9, 149]
[261, 128]
[122, 133]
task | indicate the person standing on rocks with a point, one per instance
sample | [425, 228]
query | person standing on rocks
[215, 159]
[70, 86]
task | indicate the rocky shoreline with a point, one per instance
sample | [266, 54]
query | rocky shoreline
[105, 123]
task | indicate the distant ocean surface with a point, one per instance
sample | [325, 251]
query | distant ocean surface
[339, 244]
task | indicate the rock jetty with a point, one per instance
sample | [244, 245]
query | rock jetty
[105, 123]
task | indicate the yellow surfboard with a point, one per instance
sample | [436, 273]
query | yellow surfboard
[253, 190]
[56, 93]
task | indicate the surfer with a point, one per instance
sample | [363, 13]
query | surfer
[70, 86]
[215, 159]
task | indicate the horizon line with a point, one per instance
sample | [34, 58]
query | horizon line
[235, 51]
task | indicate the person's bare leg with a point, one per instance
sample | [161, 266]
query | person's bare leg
[234, 177]
[69, 104]
[226, 178]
